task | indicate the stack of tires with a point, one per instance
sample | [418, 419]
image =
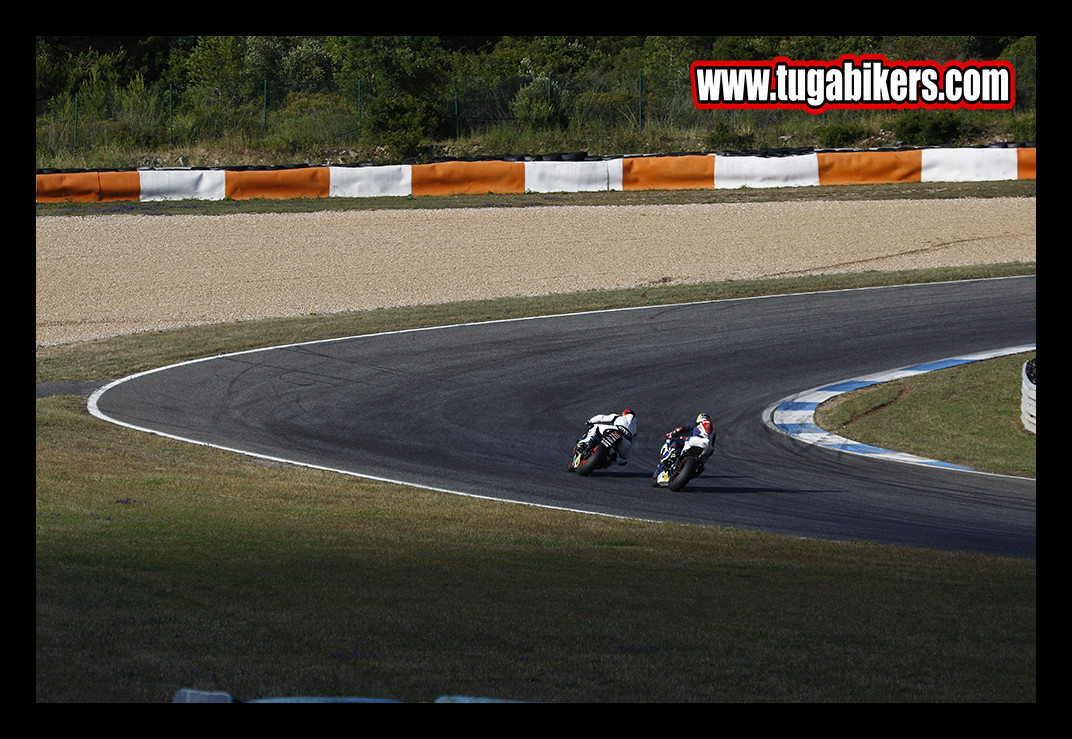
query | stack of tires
[1027, 395]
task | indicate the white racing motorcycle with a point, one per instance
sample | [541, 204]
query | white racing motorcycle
[601, 447]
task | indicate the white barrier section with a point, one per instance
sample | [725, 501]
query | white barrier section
[365, 182]
[183, 184]
[746, 171]
[584, 176]
[968, 165]
[1027, 401]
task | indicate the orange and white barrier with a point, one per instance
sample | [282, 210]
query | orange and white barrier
[692, 171]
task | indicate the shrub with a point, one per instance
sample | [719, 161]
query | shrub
[927, 128]
[723, 138]
[402, 122]
[311, 119]
[537, 106]
[1023, 128]
[840, 135]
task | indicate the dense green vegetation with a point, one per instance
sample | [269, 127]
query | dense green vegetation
[125, 101]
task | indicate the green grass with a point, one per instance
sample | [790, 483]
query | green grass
[162, 565]
[968, 415]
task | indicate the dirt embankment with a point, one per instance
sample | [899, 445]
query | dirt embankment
[106, 275]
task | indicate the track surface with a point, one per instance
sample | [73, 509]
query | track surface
[493, 410]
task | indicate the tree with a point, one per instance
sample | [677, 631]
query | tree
[294, 59]
[218, 62]
[402, 81]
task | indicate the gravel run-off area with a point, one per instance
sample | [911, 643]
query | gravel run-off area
[106, 275]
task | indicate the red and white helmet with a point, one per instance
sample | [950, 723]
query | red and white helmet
[703, 423]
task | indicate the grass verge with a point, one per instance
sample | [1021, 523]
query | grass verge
[968, 415]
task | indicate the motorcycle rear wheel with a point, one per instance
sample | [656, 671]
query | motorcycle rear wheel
[594, 461]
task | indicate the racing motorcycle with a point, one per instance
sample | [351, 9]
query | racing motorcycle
[598, 452]
[679, 462]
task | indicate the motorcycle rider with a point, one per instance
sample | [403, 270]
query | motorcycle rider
[702, 429]
[624, 422]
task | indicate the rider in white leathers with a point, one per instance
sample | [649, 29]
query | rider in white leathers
[624, 421]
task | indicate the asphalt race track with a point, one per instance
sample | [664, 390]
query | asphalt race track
[493, 410]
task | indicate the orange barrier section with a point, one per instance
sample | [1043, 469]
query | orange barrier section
[689, 172]
[307, 182]
[869, 167]
[1025, 163]
[88, 186]
[453, 178]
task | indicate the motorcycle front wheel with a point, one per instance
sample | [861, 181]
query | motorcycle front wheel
[684, 474]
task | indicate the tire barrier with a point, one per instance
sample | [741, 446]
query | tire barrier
[1027, 395]
[561, 173]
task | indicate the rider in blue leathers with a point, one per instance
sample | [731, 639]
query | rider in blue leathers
[700, 428]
